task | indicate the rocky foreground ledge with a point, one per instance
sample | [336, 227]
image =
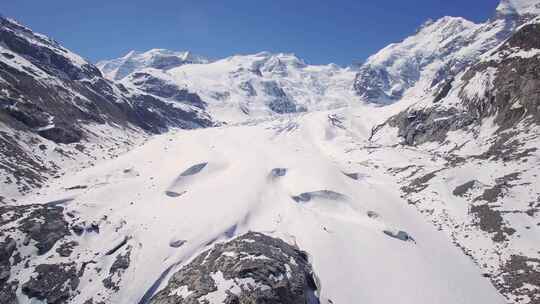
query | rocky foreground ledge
[253, 268]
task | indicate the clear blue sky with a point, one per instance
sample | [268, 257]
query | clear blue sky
[339, 31]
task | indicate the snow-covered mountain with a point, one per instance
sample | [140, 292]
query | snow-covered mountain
[133, 61]
[527, 8]
[423, 63]
[306, 193]
[262, 84]
[50, 96]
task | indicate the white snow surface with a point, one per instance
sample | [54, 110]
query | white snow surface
[519, 7]
[242, 87]
[355, 261]
[244, 84]
[117, 69]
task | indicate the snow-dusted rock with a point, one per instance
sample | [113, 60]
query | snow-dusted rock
[250, 268]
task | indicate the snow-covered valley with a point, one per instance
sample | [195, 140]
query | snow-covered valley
[165, 177]
[250, 177]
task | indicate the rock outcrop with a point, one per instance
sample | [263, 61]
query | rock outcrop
[253, 268]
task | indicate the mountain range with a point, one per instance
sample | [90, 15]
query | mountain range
[167, 177]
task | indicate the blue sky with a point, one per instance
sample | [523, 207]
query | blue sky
[339, 31]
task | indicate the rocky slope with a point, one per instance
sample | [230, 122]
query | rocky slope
[482, 134]
[273, 272]
[53, 102]
[423, 63]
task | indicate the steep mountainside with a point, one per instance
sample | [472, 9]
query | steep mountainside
[423, 63]
[52, 101]
[483, 134]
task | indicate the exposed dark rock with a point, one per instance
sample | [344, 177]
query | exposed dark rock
[491, 221]
[7, 248]
[62, 135]
[93, 227]
[373, 84]
[323, 194]
[78, 229]
[247, 87]
[516, 98]
[491, 195]
[118, 246]
[4, 273]
[372, 214]
[54, 283]
[430, 124]
[354, 176]
[444, 91]
[119, 266]
[174, 194]
[161, 88]
[280, 103]
[281, 273]
[65, 249]
[507, 147]
[400, 235]
[45, 224]
[420, 183]
[177, 243]
[521, 277]
[7, 293]
[461, 190]
[336, 121]
[194, 169]
[278, 172]
[77, 187]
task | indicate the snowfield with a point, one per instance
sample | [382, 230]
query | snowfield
[235, 179]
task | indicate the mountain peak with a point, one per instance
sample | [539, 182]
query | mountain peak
[518, 7]
[154, 58]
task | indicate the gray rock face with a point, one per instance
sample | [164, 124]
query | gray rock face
[44, 224]
[517, 81]
[7, 293]
[280, 103]
[53, 283]
[161, 88]
[40, 226]
[428, 125]
[514, 99]
[119, 266]
[253, 268]
[6, 251]
[373, 85]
